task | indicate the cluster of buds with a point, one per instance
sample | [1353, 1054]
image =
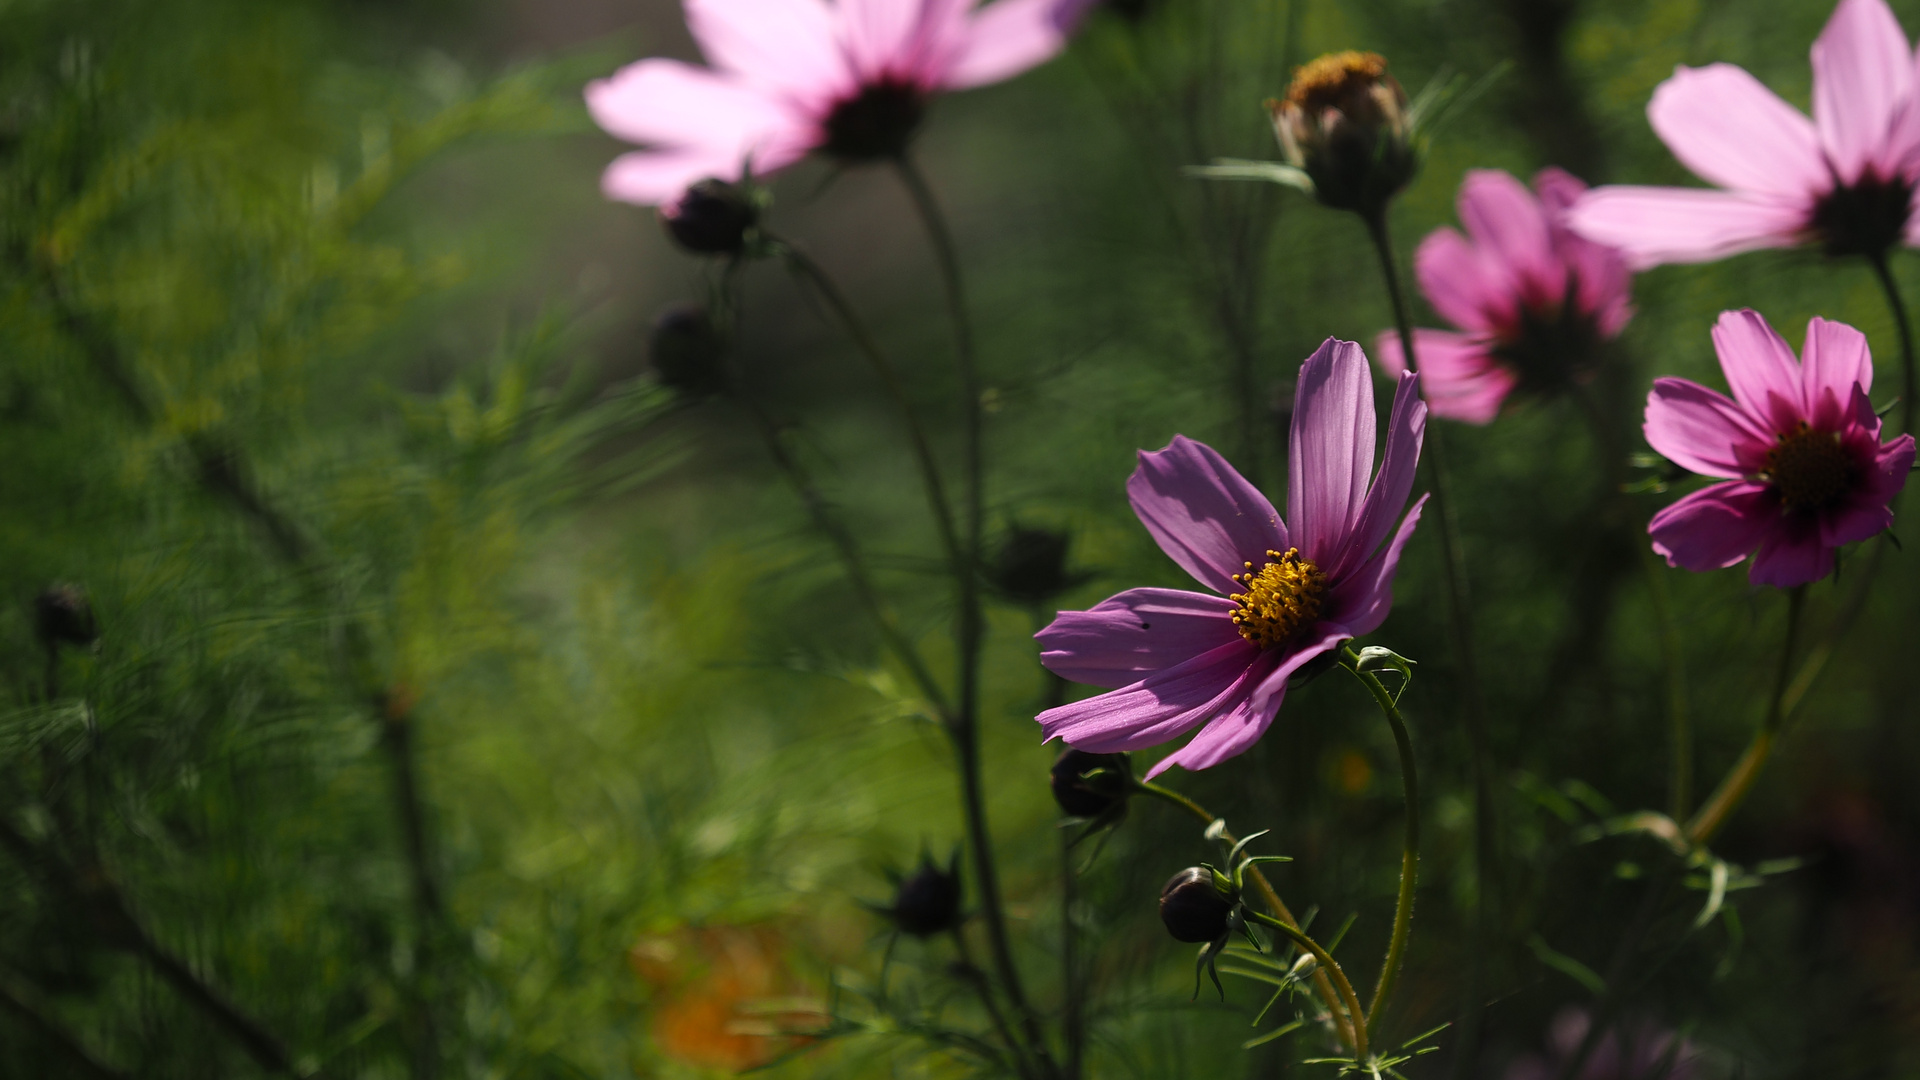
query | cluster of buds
[1346, 123]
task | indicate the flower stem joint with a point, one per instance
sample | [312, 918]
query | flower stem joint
[1345, 123]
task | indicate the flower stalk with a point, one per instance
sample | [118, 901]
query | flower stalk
[1410, 847]
[965, 725]
[1740, 779]
[1891, 289]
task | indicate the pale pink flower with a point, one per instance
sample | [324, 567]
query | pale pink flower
[1533, 301]
[1798, 445]
[1844, 180]
[1282, 596]
[850, 79]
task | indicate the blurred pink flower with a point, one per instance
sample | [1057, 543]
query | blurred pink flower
[1844, 180]
[1183, 659]
[1630, 1051]
[849, 79]
[1533, 300]
[1798, 444]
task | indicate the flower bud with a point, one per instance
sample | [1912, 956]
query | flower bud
[713, 217]
[928, 900]
[1031, 565]
[686, 352]
[62, 616]
[1081, 795]
[1344, 122]
[1193, 906]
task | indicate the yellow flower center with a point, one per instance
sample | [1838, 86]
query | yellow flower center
[1335, 80]
[1809, 469]
[1282, 598]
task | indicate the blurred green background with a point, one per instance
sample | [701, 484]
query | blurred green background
[324, 374]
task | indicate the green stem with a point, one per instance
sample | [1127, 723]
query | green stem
[1409, 851]
[930, 476]
[1350, 1024]
[1073, 1004]
[1327, 964]
[1891, 289]
[1740, 779]
[1680, 780]
[965, 728]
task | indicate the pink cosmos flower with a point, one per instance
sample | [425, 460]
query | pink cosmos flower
[1532, 300]
[850, 79]
[1183, 659]
[1844, 180]
[1798, 444]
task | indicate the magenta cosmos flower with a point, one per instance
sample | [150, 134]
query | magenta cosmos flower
[1844, 180]
[1533, 301]
[1184, 660]
[1798, 444]
[850, 79]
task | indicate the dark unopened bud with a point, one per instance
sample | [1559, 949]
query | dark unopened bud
[1344, 122]
[686, 351]
[1193, 906]
[1089, 785]
[928, 900]
[712, 218]
[1031, 565]
[62, 616]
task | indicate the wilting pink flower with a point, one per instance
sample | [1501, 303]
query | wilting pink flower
[1532, 300]
[1183, 659]
[1630, 1051]
[1844, 180]
[849, 79]
[1798, 444]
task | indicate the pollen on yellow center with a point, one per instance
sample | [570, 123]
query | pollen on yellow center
[1283, 598]
[1809, 469]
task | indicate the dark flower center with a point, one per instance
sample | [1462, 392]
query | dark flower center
[1809, 469]
[875, 123]
[1551, 347]
[1282, 598]
[1864, 218]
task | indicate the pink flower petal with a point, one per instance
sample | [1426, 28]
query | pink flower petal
[1732, 131]
[1603, 284]
[1462, 284]
[1652, 225]
[1332, 449]
[784, 45]
[913, 40]
[1459, 376]
[1761, 369]
[1406, 432]
[1202, 513]
[1862, 79]
[1859, 518]
[1234, 731]
[1162, 706]
[1508, 224]
[1892, 464]
[1007, 37]
[1133, 633]
[677, 105]
[1715, 527]
[1791, 555]
[1360, 602]
[1703, 431]
[1834, 359]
